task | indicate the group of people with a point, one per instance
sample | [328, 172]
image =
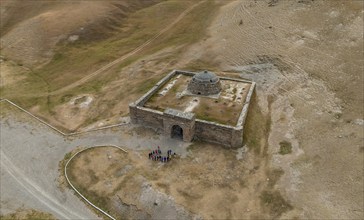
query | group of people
[156, 155]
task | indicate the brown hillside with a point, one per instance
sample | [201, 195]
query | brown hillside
[31, 29]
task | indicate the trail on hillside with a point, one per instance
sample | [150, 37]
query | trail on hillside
[122, 58]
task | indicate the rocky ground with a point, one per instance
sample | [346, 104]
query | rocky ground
[307, 60]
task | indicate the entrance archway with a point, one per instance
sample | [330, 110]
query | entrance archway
[177, 132]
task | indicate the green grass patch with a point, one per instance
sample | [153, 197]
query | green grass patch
[285, 147]
[276, 204]
[207, 117]
[72, 62]
[146, 85]
[256, 128]
[67, 156]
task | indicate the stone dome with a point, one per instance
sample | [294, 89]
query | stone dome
[205, 77]
[204, 83]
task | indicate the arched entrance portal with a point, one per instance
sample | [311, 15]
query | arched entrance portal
[177, 132]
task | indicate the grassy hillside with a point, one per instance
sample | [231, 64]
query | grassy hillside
[73, 61]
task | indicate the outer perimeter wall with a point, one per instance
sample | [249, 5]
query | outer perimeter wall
[145, 116]
[202, 130]
[212, 132]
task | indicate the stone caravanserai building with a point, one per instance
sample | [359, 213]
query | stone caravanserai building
[184, 124]
[204, 83]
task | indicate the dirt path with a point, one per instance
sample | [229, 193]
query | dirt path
[124, 57]
[30, 153]
[35, 190]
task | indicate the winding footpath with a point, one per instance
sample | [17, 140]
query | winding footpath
[45, 198]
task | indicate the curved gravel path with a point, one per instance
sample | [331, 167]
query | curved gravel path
[30, 155]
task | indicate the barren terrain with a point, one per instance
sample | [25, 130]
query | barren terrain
[303, 153]
[113, 178]
[313, 98]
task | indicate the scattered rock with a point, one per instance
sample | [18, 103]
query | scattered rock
[334, 14]
[82, 101]
[73, 38]
[358, 121]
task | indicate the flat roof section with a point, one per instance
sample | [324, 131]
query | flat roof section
[224, 108]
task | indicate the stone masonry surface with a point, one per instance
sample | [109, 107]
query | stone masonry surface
[193, 129]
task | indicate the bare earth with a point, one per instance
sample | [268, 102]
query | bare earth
[317, 95]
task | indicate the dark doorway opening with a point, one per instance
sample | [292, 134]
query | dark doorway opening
[177, 132]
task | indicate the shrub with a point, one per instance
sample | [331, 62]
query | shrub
[285, 147]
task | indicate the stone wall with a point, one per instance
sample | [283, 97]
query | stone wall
[146, 116]
[142, 100]
[244, 111]
[199, 88]
[186, 73]
[237, 137]
[185, 120]
[192, 128]
[234, 79]
[217, 133]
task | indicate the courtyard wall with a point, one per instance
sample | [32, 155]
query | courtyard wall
[218, 133]
[230, 136]
[146, 116]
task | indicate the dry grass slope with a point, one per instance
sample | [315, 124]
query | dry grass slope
[72, 61]
[27, 214]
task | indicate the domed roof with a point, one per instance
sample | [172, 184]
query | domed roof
[205, 76]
